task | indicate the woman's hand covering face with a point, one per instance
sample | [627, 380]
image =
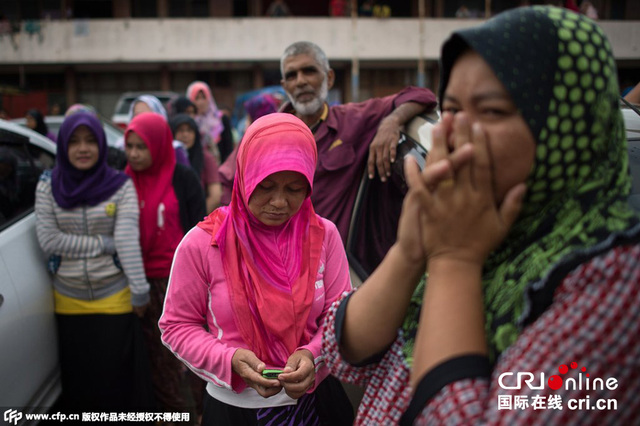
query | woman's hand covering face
[459, 218]
[440, 166]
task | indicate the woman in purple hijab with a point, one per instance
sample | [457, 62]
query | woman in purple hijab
[87, 223]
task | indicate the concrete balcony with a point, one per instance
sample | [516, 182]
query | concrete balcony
[251, 40]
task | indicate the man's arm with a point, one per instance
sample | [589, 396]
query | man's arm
[382, 151]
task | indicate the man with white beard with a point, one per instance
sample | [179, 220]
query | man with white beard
[346, 135]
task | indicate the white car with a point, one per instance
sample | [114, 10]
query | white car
[29, 370]
[115, 157]
[53, 122]
[121, 112]
[631, 114]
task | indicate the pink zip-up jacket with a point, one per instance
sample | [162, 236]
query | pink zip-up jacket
[197, 296]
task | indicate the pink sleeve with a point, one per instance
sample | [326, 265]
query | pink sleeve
[184, 317]
[336, 281]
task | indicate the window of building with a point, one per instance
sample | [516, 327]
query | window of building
[199, 8]
[29, 9]
[178, 8]
[240, 8]
[51, 9]
[95, 9]
[144, 8]
[188, 8]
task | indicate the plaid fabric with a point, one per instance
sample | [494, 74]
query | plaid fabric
[387, 393]
[593, 321]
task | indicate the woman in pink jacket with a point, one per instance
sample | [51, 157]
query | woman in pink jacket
[251, 284]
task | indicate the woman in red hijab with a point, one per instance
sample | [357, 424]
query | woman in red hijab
[251, 284]
[171, 202]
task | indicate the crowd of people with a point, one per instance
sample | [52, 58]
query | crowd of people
[216, 272]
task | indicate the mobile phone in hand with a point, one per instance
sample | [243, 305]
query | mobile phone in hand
[271, 373]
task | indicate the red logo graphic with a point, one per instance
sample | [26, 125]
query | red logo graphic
[555, 381]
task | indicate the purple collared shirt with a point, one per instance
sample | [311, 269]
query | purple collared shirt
[343, 148]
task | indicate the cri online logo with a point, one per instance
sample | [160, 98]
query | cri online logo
[556, 382]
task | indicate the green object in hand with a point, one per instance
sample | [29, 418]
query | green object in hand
[270, 373]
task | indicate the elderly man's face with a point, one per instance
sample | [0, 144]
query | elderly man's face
[306, 83]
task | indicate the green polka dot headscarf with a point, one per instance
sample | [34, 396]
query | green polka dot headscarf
[559, 69]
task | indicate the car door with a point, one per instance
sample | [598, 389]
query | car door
[29, 375]
[631, 115]
[374, 221]
[376, 212]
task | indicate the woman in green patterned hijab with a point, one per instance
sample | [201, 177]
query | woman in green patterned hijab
[559, 70]
[531, 282]
[521, 221]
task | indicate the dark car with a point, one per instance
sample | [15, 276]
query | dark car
[376, 212]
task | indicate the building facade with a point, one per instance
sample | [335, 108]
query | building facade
[91, 51]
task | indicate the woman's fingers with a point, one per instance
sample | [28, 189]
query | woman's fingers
[482, 169]
[444, 169]
[439, 133]
[462, 136]
[296, 389]
[267, 391]
[412, 172]
[298, 376]
[247, 365]
[461, 130]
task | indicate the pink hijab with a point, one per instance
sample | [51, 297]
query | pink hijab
[270, 271]
[209, 123]
[160, 227]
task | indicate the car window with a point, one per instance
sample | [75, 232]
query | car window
[54, 127]
[20, 167]
[124, 106]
